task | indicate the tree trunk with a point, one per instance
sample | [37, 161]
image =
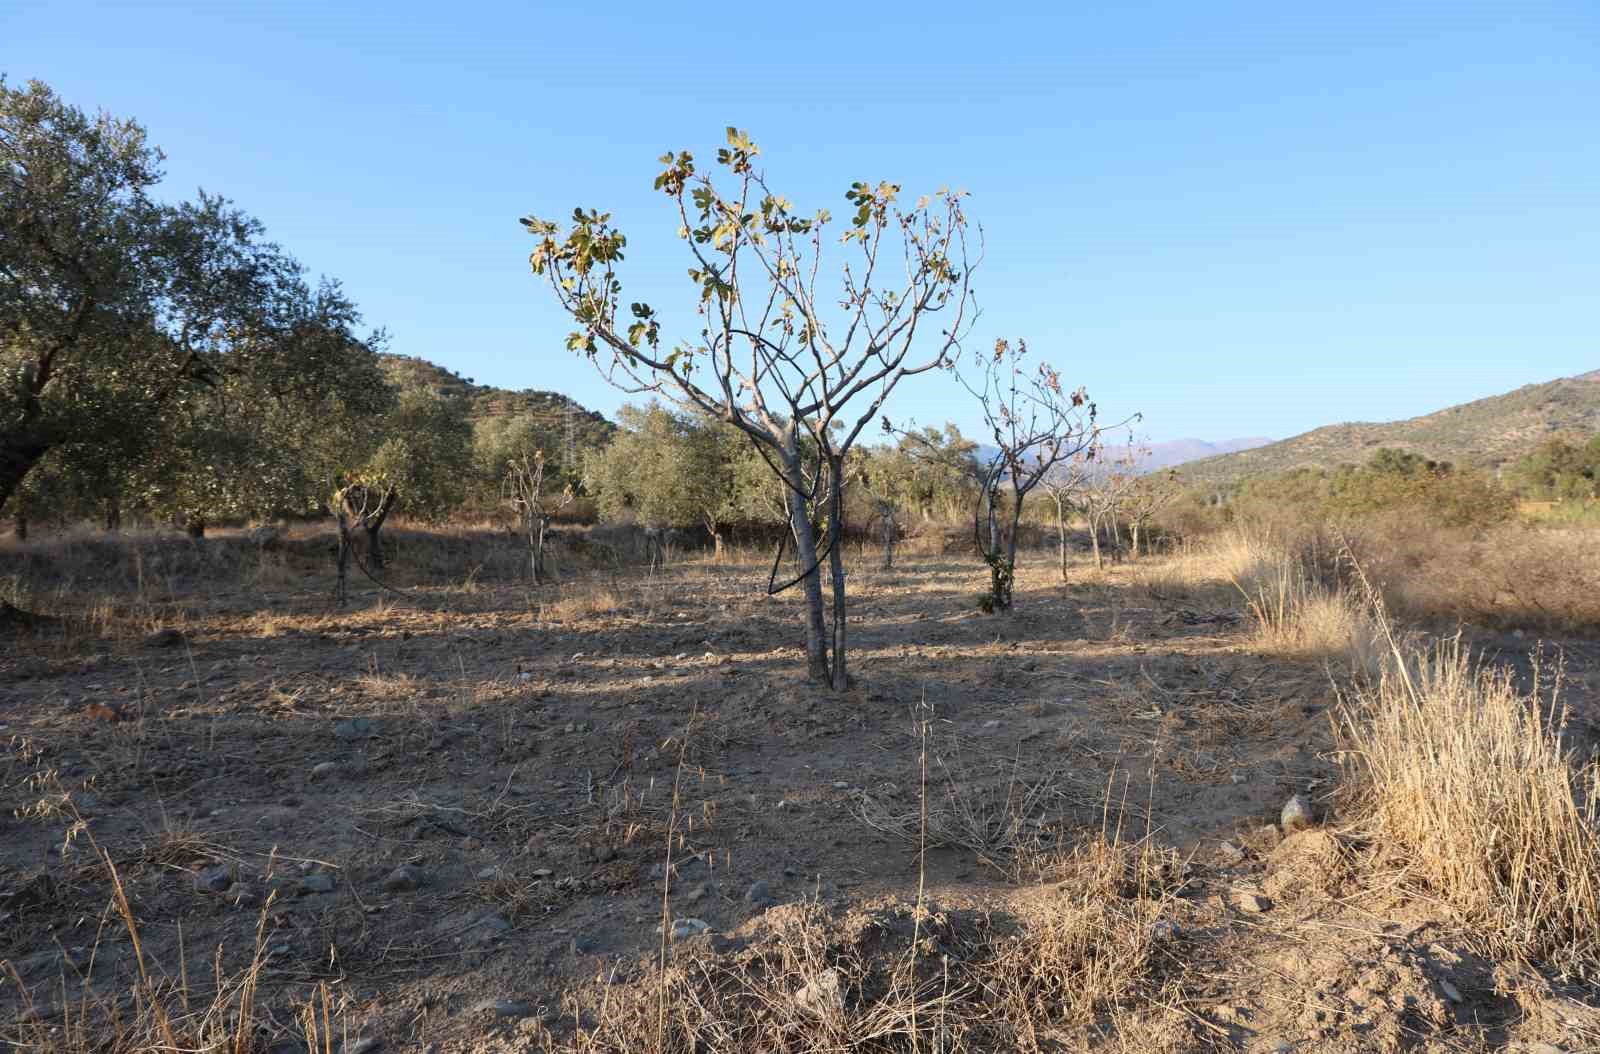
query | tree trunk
[841, 677]
[1061, 536]
[1003, 597]
[1094, 541]
[374, 523]
[343, 556]
[1133, 528]
[113, 515]
[374, 546]
[18, 454]
[805, 551]
[195, 527]
[539, 525]
[20, 522]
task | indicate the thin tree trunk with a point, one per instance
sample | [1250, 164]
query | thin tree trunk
[540, 523]
[841, 677]
[1094, 541]
[113, 515]
[1061, 536]
[343, 556]
[532, 533]
[20, 525]
[805, 550]
[374, 523]
[195, 527]
[374, 546]
[1004, 601]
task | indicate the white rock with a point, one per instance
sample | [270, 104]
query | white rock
[683, 928]
[823, 995]
[1296, 815]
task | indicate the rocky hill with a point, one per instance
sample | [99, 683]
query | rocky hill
[1486, 433]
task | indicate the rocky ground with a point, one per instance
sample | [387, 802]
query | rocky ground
[452, 819]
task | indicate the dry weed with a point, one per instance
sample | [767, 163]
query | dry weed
[1469, 777]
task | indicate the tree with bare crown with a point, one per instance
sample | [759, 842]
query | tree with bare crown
[800, 363]
[524, 489]
[1037, 426]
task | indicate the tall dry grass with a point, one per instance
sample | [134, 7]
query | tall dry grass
[1298, 604]
[1470, 779]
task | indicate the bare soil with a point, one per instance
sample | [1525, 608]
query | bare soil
[257, 777]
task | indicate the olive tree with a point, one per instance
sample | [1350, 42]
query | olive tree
[141, 331]
[671, 470]
[785, 351]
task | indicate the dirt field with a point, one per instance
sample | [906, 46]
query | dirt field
[441, 821]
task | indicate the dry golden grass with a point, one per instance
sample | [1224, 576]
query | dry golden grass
[586, 600]
[1538, 578]
[1469, 778]
[1296, 611]
[909, 977]
[1298, 617]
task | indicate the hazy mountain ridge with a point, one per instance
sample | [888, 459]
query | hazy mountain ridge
[1485, 433]
[1175, 452]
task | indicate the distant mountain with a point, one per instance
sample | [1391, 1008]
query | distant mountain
[1152, 457]
[1485, 433]
[1156, 456]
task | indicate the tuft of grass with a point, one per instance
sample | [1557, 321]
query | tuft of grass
[1298, 606]
[1469, 778]
[1299, 617]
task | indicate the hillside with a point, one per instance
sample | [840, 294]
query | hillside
[589, 428]
[1485, 433]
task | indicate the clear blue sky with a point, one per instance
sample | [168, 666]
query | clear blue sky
[1238, 218]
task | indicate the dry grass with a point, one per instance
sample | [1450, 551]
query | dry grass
[1469, 778]
[1299, 617]
[1002, 818]
[908, 977]
[573, 603]
[1298, 607]
[1536, 578]
[158, 1011]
